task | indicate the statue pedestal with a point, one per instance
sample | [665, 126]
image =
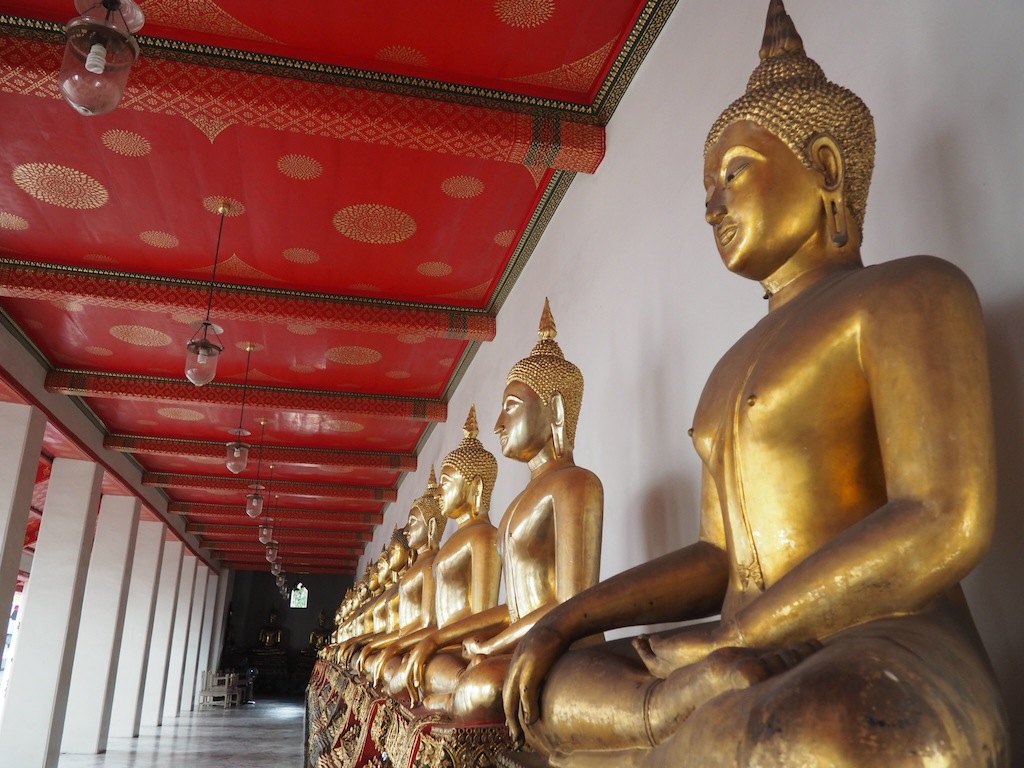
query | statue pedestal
[418, 738]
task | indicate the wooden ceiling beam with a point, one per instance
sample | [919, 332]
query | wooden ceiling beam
[118, 386]
[122, 290]
[354, 520]
[320, 457]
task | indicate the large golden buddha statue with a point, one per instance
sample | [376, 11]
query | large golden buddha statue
[848, 486]
[467, 570]
[550, 535]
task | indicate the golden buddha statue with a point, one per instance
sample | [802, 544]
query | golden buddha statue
[319, 636]
[848, 486]
[271, 635]
[416, 589]
[467, 570]
[550, 535]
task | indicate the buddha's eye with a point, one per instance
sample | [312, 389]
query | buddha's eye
[732, 174]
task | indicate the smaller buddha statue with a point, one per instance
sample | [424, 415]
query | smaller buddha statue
[320, 635]
[467, 568]
[271, 635]
[416, 588]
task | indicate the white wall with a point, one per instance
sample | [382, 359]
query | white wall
[645, 307]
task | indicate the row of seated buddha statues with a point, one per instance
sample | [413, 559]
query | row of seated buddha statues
[848, 487]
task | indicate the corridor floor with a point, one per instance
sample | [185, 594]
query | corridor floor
[267, 734]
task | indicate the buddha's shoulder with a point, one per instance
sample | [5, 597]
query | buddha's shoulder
[910, 277]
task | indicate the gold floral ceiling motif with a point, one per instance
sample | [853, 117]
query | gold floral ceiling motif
[575, 76]
[434, 269]
[11, 221]
[375, 223]
[159, 239]
[68, 305]
[340, 425]
[505, 238]
[140, 336]
[301, 255]
[353, 355]
[99, 351]
[402, 54]
[462, 186]
[235, 207]
[301, 330]
[99, 258]
[301, 167]
[127, 143]
[524, 13]
[181, 414]
[200, 16]
[60, 185]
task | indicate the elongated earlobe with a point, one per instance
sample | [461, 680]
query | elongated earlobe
[835, 216]
[827, 158]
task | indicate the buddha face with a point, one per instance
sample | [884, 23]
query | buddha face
[765, 205]
[524, 425]
[398, 557]
[416, 530]
[453, 491]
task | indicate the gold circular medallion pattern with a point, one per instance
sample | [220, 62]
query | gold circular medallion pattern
[158, 239]
[141, 336]
[68, 305]
[13, 222]
[505, 238]
[462, 186]
[61, 186]
[181, 414]
[301, 167]
[99, 258]
[446, 361]
[301, 330]
[411, 338]
[301, 255]
[98, 351]
[375, 224]
[434, 269]
[340, 425]
[235, 207]
[353, 355]
[402, 54]
[524, 14]
[127, 143]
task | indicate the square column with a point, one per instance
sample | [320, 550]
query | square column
[160, 644]
[195, 639]
[225, 586]
[37, 695]
[203, 662]
[138, 629]
[19, 460]
[99, 635]
[179, 639]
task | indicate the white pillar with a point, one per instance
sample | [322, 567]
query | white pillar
[225, 584]
[19, 462]
[202, 661]
[37, 694]
[138, 629]
[163, 626]
[179, 639]
[99, 636]
[195, 639]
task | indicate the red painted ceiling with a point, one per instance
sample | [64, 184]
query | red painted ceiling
[389, 169]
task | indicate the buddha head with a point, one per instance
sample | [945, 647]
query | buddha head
[542, 399]
[426, 521]
[398, 553]
[383, 570]
[468, 475]
[830, 131]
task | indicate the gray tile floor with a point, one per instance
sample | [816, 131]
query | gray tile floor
[267, 734]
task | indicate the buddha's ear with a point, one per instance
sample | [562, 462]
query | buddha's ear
[476, 493]
[827, 158]
[557, 406]
[431, 529]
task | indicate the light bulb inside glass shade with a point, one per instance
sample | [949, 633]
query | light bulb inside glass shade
[276, 569]
[237, 457]
[266, 534]
[254, 504]
[271, 552]
[280, 580]
[201, 361]
[99, 54]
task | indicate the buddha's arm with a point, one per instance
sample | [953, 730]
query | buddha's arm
[923, 353]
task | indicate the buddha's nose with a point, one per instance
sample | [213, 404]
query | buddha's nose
[715, 211]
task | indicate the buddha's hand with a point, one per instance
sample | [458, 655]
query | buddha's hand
[421, 654]
[364, 654]
[539, 649]
[476, 649]
[386, 655]
[662, 655]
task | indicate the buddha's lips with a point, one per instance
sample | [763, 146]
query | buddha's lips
[725, 232]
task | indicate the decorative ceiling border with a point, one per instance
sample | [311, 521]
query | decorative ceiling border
[639, 42]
